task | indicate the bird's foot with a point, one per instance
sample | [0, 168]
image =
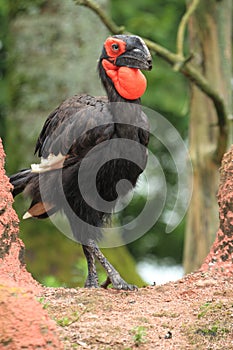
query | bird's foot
[118, 283]
[91, 282]
[114, 277]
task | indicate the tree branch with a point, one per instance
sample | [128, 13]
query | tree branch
[113, 27]
[182, 26]
[177, 60]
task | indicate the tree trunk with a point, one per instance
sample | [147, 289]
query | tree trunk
[210, 41]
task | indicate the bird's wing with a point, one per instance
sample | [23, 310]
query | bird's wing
[72, 129]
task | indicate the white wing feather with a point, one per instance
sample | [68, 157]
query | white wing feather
[50, 163]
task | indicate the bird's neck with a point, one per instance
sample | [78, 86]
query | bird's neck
[112, 93]
[126, 112]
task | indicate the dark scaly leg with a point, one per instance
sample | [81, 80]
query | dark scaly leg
[106, 283]
[113, 276]
[92, 278]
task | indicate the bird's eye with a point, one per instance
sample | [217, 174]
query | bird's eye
[115, 47]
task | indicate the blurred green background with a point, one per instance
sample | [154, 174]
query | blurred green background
[48, 52]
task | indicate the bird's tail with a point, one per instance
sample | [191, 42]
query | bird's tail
[20, 181]
[29, 180]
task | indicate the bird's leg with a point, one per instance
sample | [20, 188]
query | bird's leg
[106, 283]
[92, 278]
[114, 277]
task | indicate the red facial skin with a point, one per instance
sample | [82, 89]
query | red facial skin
[111, 50]
[130, 83]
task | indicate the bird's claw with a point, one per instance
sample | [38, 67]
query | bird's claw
[118, 283]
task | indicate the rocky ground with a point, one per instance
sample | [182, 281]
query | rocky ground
[195, 312]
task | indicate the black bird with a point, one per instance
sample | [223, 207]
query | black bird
[88, 145]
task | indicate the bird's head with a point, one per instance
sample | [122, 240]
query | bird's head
[121, 61]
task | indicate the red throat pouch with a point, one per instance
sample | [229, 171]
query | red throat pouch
[130, 83]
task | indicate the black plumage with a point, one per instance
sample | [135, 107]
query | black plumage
[87, 146]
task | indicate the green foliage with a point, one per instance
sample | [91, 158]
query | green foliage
[42, 301]
[204, 309]
[65, 321]
[209, 308]
[52, 258]
[4, 100]
[51, 281]
[25, 6]
[213, 324]
[139, 334]
[68, 320]
[212, 331]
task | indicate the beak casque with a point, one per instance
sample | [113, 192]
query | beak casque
[136, 55]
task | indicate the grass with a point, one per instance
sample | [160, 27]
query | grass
[204, 309]
[67, 321]
[42, 301]
[212, 331]
[213, 324]
[139, 334]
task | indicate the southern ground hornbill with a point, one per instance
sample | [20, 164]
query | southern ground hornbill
[83, 147]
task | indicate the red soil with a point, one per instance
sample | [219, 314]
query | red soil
[23, 322]
[220, 258]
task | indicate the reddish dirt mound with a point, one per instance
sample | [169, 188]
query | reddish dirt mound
[220, 258]
[23, 322]
[12, 269]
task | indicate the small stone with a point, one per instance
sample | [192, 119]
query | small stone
[205, 283]
[168, 335]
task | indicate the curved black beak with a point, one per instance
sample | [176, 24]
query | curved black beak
[135, 58]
